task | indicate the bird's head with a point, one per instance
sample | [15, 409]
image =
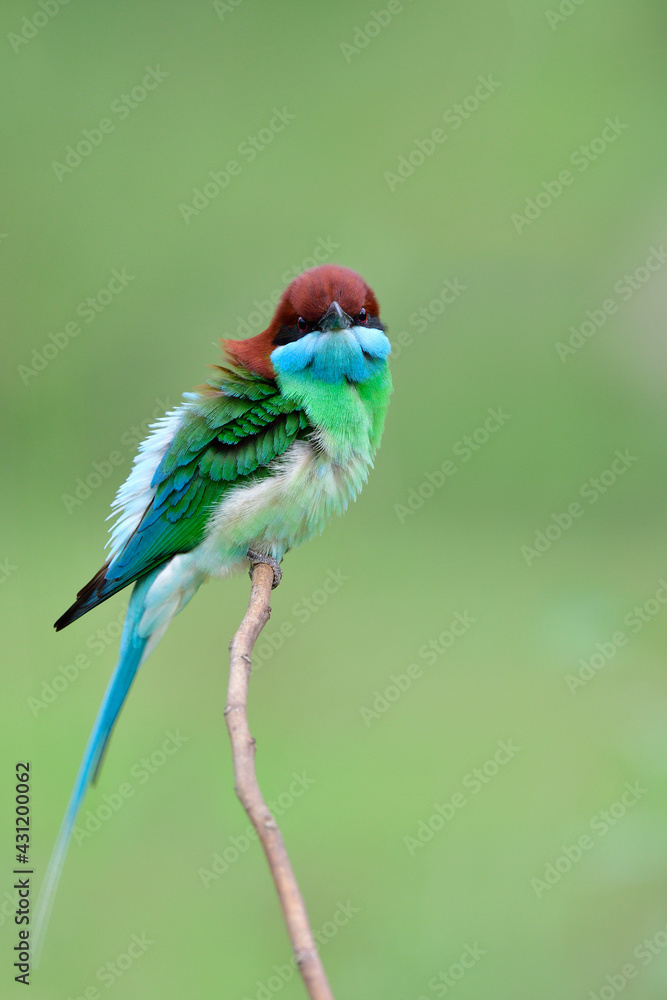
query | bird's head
[326, 326]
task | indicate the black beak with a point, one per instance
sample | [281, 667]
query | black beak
[335, 319]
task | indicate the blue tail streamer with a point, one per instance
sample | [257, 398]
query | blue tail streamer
[132, 649]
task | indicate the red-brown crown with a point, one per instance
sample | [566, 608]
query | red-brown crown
[308, 296]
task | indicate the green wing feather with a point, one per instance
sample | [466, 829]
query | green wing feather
[231, 430]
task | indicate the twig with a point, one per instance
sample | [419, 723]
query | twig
[248, 791]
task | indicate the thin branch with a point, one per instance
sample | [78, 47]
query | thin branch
[248, 791]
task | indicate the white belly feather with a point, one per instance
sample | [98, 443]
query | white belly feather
[271, 515]
[282, 510]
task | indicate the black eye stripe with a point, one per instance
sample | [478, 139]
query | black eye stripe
[287, 335]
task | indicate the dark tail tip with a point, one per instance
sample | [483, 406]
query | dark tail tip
[67, 619]
[88, 597]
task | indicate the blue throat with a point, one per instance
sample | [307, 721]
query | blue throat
[354, 354]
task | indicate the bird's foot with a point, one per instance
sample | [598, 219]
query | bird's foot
[259, 557]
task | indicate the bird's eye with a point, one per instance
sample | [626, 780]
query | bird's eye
[302, 324]
[363, 316]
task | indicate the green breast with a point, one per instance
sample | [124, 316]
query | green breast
[349, 416]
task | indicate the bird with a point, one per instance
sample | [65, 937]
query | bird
[281, 437]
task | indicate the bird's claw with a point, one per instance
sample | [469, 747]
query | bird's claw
[259, 557]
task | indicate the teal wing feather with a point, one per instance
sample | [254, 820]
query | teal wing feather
[231, 430]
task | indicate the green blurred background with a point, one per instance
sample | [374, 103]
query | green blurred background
[404, 911]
